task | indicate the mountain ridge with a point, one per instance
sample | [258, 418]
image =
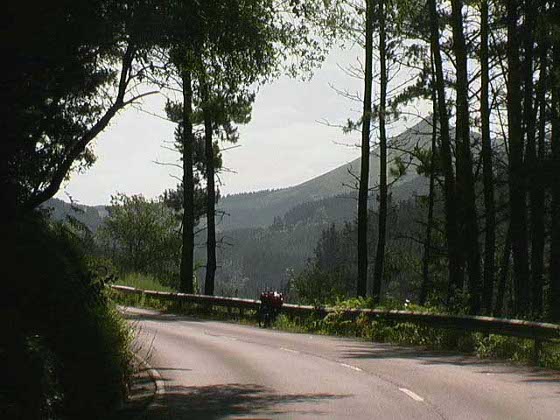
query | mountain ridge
[260, 208]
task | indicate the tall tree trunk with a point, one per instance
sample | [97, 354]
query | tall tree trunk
[426, 258]
[382, 230]
[210, 200]
[455, 264]
[529, 118]
[187, 273]
[465, 178]
[555, 228]
[517, 190]
[364, 170]
[536, 191]
[503, 275]
[487, 166]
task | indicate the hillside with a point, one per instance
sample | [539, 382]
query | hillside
[267, 235]
[91, 216]
[260, 208]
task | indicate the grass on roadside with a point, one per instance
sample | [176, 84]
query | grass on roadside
[143, 281]
[483, 346]
[201, 311]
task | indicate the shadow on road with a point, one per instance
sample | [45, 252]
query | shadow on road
[159, 317]
[217, 401]
[387, 351]
[164, 369]
[488, 367]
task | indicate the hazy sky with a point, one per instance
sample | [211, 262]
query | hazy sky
[283, 145]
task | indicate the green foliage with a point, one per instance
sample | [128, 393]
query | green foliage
[144, 282]
[397, 168]
[251, 260]
[67, 353]
[65, 85]
[142, 236]
[328, 277]
[315, 287]
[91, 216]
[94, 362]
[496, 346]
[173, 199]
[477, 344]
[330, 273]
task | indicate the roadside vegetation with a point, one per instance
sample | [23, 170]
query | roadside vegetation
[484, 346]
[481, 345]
[69, 355]
[143, 281]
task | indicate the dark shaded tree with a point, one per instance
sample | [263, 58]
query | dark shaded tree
[382, 221]
[465, 178]
[517, 189]
[487, 164]
[427, 284]
[363, 191]
[74, 65]
[455, 263]
[536, 150]
[554, 260]
[503, 274]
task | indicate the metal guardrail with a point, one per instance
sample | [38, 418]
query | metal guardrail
[537, 331]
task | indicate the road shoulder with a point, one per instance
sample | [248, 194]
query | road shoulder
[146, 386]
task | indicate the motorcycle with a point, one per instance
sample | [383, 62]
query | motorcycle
[271, 303]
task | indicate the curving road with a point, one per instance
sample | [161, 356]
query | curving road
[217, 370]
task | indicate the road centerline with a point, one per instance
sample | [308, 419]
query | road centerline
[356, 368]
[411, 394]
[290, 350]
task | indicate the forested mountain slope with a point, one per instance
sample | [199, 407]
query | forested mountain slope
[266, 236]
[91, 216]
[260, 208]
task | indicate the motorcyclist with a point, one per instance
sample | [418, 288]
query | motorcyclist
[271, 302]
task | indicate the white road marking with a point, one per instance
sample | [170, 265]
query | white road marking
[290, 350]
[227, 337]
[411, 394]
[351, 367]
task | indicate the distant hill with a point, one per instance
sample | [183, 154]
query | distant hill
[267, 235]
[259, 209]
[91, 216]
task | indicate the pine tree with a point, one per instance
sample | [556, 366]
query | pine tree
[365, 152]
[487, 165]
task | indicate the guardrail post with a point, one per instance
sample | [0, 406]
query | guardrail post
[241, 312]
[537, 350]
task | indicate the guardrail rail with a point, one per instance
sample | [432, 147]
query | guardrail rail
[538, 331]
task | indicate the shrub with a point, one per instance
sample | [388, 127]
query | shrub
[67, 352]
[316, 287]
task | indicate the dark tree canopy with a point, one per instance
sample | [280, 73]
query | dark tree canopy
[73, 66]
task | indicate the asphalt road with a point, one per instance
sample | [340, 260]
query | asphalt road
[217, 370]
